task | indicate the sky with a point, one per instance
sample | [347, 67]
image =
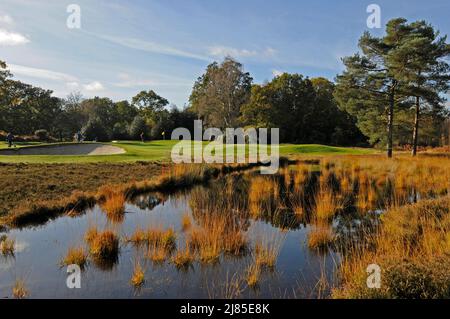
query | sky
[123, 47]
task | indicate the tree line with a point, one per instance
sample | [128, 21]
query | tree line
[390, 93]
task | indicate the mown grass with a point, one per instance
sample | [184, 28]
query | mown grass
[161, 151]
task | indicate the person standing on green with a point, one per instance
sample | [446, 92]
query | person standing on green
[10, 139]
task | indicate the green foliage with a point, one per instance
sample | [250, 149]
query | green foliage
[137, 127]
[149, 104]
[379, 81]
[219, 94]
[95, 130]
[303, 109]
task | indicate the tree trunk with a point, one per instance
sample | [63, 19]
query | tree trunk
[416, 127]
[390, 122]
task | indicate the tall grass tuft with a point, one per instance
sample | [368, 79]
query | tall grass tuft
[19, 290]
[75, 256]
[7, 246]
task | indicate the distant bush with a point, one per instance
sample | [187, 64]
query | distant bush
[137, 127]
[120, 131]
[95, 130]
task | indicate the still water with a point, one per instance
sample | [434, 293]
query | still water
[300, 272]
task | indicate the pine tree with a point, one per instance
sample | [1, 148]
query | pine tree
[426, 74]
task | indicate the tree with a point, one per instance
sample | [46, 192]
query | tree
[219, 94]
[370, 88]
[426, 73]
[303, 109]
[95, 130]
[125, 111]
[137, 127]
[26, 108]
[149, 104]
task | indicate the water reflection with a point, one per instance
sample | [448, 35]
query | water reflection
[289, 229]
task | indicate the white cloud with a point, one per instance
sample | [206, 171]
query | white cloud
[152, 47]
[12, 38]
[6, 19]
[277, 72]
[40, 73]
[94, 86]
[73, 85]
[223, 51]
[270, 52]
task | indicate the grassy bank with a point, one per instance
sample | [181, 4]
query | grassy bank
[173, 178]
[32, 184]
[413, 250]
[160, 151]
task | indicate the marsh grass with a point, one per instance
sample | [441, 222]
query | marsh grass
[102, 245]
[114, 205]
[75, 256]
[166, 238]
[327, 204]
[411, 247]
[231, 287]
[320, 237]
[215, 235]
[74, 201]
[19, 290]
[7, 246]
[157, 253]
[267, 247]
[263, 195]
[183, 259]
[138, 277]
[253, 275]
[186, 222]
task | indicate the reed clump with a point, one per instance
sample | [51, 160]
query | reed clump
[112, 202]
[186, 222]
[183, 259]
[412, 249]
[102, 245]
[19, 290]
[320, 237]
[165, 238]
[75, 256]
[253, 275]
[7, 246]
[327, 204]
[217, 234]
[138, 277]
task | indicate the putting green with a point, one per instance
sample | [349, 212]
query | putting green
[160, 151]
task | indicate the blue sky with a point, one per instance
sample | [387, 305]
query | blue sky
[127, 46]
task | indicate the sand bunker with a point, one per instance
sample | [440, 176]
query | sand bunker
[65, 149]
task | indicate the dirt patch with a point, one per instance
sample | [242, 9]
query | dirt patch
[66, 149]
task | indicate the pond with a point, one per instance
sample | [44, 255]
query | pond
[228, 224]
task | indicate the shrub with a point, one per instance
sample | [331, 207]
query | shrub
[94, 129]
[137, 127]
